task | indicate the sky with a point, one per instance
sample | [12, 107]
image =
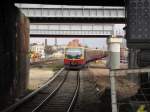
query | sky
[91, 42]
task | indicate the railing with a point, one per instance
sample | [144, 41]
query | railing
[137, 101]
[70, 32]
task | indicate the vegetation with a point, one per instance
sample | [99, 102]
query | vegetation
[49, 50]
[55, 67]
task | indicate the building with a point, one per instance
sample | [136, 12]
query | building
[38, 48]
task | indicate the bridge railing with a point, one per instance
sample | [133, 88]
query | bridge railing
[70, 32]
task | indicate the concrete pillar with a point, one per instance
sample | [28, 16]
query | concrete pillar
[14, 43]
[7, 52]
[114, 63]
[114, 50]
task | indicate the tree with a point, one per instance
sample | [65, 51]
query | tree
[49, 50]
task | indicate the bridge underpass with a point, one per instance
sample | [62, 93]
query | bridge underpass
[72, 21]
[5, 41]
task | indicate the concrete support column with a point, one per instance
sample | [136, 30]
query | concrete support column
[114, 63]
[114, 49]
[14, 61]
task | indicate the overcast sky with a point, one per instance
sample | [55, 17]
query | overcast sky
[91, 42]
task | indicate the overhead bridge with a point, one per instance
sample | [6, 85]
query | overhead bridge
[71, 30]
[76, 2]
[66, 13]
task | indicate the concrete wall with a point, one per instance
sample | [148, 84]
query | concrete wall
[14, 42]
[22, 50]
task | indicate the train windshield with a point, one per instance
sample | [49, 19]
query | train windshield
[73, 53]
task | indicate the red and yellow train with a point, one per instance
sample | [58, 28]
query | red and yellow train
[78, 57]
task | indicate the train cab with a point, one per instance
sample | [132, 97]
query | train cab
[74, 57]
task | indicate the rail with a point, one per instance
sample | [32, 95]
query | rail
[14, 106]
[75, 94]
[50, 95]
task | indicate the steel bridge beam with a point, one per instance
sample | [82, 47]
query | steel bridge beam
[72, 12]
[70, 29]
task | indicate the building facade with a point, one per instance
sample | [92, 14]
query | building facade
[38, 48]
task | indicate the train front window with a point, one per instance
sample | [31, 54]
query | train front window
[73, 53]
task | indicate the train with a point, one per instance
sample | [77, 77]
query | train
[78, 57]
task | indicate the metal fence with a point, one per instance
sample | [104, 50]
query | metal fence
[128, 92]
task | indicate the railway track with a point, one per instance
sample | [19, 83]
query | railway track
[58, 95]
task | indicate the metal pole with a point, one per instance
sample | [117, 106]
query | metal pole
[114, 49]
[113, 91]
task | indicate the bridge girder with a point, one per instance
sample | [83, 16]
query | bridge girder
[73, 14]
[75, 2]
[72, 30]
